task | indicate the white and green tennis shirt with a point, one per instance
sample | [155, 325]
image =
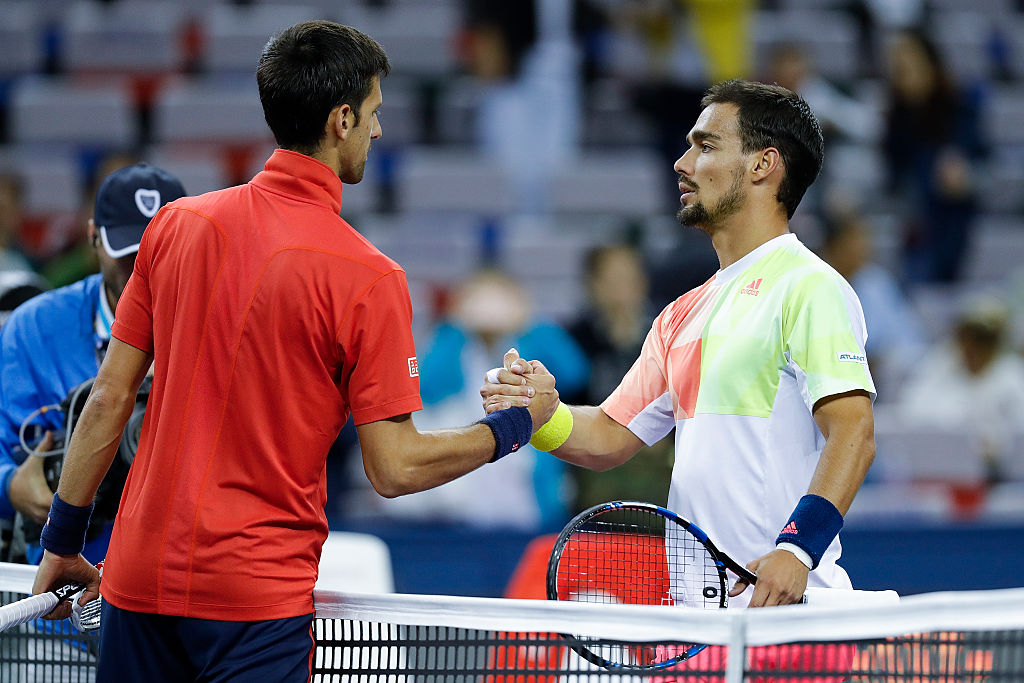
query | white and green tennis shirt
[736, 366]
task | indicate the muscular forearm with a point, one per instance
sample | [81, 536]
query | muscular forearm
[597, 442]
[399, 460]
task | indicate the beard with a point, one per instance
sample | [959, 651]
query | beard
[353, 174]
[700, 216]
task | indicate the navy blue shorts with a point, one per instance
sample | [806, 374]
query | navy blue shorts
[154, 648]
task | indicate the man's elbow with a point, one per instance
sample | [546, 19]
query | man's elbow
[111, 398]
[390, 480]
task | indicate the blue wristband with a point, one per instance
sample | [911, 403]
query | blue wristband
[64, 531]
[512, 427]
[812, 527]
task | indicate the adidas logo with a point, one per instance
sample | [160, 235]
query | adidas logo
[753, 288]
[791, 529]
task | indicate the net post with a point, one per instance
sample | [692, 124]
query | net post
[736, 655]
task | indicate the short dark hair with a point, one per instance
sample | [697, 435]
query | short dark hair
[307, 70]
[773, 116]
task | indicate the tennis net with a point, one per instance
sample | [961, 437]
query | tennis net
[968, 637]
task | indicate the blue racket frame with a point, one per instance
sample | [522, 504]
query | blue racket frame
[722, 563]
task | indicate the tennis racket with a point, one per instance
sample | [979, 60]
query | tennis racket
[85, 618]
[639, 554]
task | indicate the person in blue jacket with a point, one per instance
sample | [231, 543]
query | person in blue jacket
[54, 342]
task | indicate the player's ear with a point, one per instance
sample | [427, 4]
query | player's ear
[765, 163]
[92, 233]
[342, 121]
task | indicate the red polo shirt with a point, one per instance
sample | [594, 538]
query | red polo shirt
[269, 319]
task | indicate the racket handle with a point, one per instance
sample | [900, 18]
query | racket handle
[24, 611]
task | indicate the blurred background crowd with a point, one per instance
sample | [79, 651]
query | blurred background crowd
[524, 181]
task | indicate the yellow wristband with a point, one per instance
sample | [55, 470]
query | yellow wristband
[555, 431]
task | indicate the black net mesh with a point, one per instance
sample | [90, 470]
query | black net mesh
[352, 651]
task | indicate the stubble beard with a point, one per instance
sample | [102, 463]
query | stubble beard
[352, 176]
[699, 216]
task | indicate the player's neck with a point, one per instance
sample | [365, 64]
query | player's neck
[745, 231]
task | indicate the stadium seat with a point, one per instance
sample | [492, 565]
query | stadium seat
[1003, 116]
[996, 249]
[21, 39]
[234, 35]
[356, 563]
[962, 37]
[857, 169]
[1001, 191]
[452, 180]
[1013, 465]
[627, 183]
[129, 36]
[926, 453]
[440, 248]
[51, 176]
[418, 37]
[55, 110]
[1005, 502]
[199, 170]
[877, 502]
[830, 37]
[221, 110]
[458, 100]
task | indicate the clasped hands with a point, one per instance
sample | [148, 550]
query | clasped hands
[523, 383]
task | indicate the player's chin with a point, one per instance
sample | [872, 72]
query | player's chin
[353, 175]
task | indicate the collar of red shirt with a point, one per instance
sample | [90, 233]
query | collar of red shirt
[302, 177]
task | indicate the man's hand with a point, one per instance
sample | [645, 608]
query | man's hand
[522, 383]
[781, 580]
[57, 570]
[28, 491]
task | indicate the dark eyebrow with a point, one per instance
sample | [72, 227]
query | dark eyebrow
[701, 135]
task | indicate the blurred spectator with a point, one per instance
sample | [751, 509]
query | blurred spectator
[841, 116]
[76, 259]
[11, 257]
[723, 32]
[685, 45]
[933, 146]
[972, 382]
[613, 327]
[688, 263]
[896, 338]
[525, 60]
[611, 331]
[526, 490]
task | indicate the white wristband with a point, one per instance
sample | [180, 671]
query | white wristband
[800, 553]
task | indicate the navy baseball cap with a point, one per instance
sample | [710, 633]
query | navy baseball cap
[125, 202]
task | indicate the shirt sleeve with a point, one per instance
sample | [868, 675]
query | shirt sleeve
[133, 321]
[381, 372]
[642, 402]
[825, 336]
[22, 370]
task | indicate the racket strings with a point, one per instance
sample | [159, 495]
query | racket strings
[638, 557]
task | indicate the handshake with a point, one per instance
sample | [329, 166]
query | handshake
[528, 384]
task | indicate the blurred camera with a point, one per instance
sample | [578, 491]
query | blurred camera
[108, 495]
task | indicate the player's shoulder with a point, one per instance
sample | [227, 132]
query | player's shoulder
[357, 247]
[801, 269]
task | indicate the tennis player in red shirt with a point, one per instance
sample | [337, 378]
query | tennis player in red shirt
[269, 321]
